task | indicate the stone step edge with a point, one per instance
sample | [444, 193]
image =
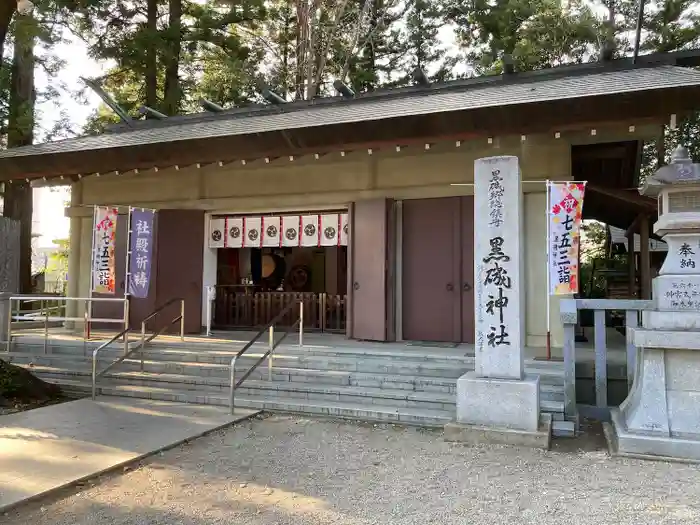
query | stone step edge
[547, 374]
[279, 386]
[399, 414]
[296, 352]
[548, 406]
[166, 377]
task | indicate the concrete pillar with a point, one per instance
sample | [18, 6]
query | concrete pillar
[73, 288]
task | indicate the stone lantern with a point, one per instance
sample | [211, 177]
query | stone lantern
[661, 415]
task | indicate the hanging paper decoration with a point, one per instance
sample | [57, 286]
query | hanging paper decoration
[330, 229]
[312, 230]
[234, 231]
[217, 229]
[252, 232]
[290, 230]
[271, 233]
[344, 229]
[309, 230]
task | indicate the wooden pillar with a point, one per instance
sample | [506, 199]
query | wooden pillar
[631, 265]
[645, 259]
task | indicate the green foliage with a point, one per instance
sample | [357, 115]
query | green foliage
[538, 34]
[58, 264]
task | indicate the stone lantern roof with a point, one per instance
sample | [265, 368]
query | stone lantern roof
[681, 171]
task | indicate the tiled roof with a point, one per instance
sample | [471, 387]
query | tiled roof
[481, 95]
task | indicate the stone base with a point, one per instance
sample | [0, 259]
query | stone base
[499, 403]
[475, 434]
[621, 442]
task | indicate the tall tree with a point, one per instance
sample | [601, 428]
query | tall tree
[671, 25]
[20, 132]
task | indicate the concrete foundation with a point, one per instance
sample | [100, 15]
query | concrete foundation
[499, 403]
[623, 443]
[476, 434]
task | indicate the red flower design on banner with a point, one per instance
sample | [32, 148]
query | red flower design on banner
[556, 209]
[569, 203]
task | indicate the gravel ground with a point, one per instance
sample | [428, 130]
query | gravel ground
[287, 470]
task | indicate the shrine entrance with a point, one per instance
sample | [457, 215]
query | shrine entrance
[438, 269]
[266, 263]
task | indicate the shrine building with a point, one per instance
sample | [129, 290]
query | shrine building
[362, 206]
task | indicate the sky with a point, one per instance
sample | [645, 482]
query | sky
[49, 221]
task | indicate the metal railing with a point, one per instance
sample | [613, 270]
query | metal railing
[272, 345]
[569, 310]
[141, 344]
[43, 314]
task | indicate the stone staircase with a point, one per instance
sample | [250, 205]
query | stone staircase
[386, 383]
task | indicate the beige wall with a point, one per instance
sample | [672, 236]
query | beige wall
[335, 180]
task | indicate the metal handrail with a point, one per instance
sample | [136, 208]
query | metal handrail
[95, 375]
[163, 307]
[272, 345]
[180, 318]
[86, 318]
[141, 345]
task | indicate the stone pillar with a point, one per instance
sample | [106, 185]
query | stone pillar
[73, 285]
[500, 328]
[661, 416]
[4, 319]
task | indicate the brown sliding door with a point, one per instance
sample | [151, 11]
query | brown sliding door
[438, 269]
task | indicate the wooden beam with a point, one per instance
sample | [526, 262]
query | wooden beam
[634, 227]
[625, 196]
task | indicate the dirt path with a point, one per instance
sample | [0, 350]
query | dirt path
[285, 470]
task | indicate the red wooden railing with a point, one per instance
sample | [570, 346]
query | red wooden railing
[242, 307]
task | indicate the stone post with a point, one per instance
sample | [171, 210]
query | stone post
[498, 402]
[661, 415]
[4, 319]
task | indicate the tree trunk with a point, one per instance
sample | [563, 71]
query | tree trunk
[172, 96]
[7, 9]
[18, 195]
[151, 56]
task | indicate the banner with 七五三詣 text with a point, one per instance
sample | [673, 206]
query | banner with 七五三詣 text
[565, 215]
[140, 252]
[103, 255]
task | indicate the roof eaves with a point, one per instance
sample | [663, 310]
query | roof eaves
[566, 70]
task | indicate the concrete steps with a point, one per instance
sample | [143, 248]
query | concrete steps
[408, 386]
[347, 410]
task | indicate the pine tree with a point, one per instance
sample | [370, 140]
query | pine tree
[422, 48]
[537, 34]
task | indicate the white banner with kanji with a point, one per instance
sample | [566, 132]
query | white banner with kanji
[565, 215]
[103, 256]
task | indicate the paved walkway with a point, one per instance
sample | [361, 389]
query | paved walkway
[45, 449]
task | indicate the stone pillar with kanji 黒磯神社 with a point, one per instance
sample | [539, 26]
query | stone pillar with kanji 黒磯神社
[500, 326]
